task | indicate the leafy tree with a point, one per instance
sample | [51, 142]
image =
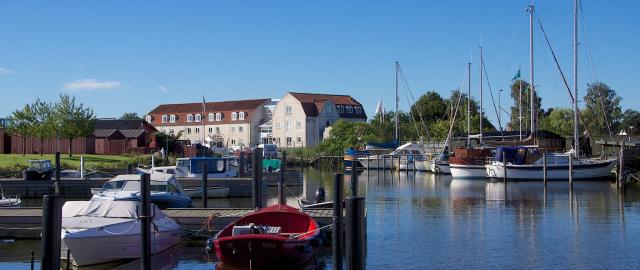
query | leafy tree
[75, 120]
[44, 125]
[630, 121]
[558, 120]
[22, 125]
[460, 125]
[602, 112]
[514, 123]
[345, 134]
[167, 140]
[130, 116]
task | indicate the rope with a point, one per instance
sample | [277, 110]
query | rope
[305, 233]
[119, 233]
[294, 195]
[486, 75]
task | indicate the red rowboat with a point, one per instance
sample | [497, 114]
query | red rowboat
[275, 237]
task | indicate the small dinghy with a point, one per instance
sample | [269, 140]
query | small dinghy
[9, 202]
[212, 192]
[275, 237]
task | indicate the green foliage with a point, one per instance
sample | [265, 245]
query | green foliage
[44, 125]
[22, 124]
[630, 121]
[346, 134]
[601, 102]
[74, 120]
[165, 140]
[526, 106]
[430, 107]
[130, 116]
[558, 120]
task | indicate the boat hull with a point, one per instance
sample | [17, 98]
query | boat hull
[595, 170]
[263, 252]
[212, 192]
[442, 168]
[375, 163]
[468, 171]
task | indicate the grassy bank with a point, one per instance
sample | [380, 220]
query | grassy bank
[19, 162]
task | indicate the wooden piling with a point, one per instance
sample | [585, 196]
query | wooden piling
[205, 188]
[257, 178]
[51, 229]
[68, 259]
[621, 180]
[145, 192]
[355, 232]
[241, 165]
[82, 166]
[56, 185]
[544, 168]
[354, 184]
[282, 197]
[336, 243]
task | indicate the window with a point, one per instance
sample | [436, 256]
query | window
[212, 117]
[288, 141]
[189, 118]
[172, 119]
[188, 130]
[349, 109]
[164, 118]
[197, 130]
[241, 116]
[233, 142]
[288, 124]
[240, 129]
[288, 110]
[340, 108]
[210, 130]
[278, 124]
[148, 118]
[298, 124]
[358, 110]
[234, 116]
[170, 131]
[233, 129]
[218, 117]
[198, 118]
[299, 139]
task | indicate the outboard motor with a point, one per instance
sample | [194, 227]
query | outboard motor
[320, 195]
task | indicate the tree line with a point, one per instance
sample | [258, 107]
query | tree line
[66, 119]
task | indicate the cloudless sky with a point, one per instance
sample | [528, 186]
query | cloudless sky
[130, 56]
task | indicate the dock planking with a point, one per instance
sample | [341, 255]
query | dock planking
[24, 223]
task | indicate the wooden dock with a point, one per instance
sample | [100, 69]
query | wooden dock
[25, 223]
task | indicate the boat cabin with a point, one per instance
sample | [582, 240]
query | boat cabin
[216, 167]
[165, 191]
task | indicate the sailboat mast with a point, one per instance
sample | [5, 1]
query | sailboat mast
[397, 101]
[481, 115]
[469, 106]
[532, 106]
[576, 143]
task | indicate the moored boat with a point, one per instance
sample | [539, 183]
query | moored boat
[275, 237]
[469, 162]
[10, 201]
[166, 192]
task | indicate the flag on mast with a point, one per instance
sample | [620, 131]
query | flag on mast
[380, 110]
[517, 76]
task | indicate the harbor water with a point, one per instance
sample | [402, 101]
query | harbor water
[426, 221]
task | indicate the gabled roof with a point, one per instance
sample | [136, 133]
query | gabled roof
[132, 133]
[105, 133]
[238, 105]
[312, 104]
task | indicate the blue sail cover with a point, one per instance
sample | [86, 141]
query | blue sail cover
[514, 154]
[389, 145]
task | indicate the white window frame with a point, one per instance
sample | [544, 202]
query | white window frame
[241, 116]
[349, 109]
[240, 129]
[218, 117]
[234, 116]
[233, 129]
[289, 110]
[148, 118]
[212, 117]
[198, 117]
[340, 108]
[172, 118]
[358, 110]
[165, 118]
[289, 124]
[197, 130]
[189, 118]
[298, 124]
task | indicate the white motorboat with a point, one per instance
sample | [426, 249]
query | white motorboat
[10, 201]
[217, 167]
[212, 192]
[411, 155]
[166, 192]
[440, 166]
[100, 231]
[376, 162]
[517, 166]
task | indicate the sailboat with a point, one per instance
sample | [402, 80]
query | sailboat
[527, 163]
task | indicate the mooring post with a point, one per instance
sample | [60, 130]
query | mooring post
[257, 178]
[205, 187]
[544, 168]
[621, 180]
[32, 261]
[504, 166]
[571, 169]
[51, 229]
[145, 190]
[81, 166]
[56, 185]
[282, 198]
[241, 165]
[129, 168]
[68, 259]
[384, 162]
[336, 227]
[153, 160]
[355, 232]
[354, 184]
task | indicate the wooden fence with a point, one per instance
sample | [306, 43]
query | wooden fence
[30, 145]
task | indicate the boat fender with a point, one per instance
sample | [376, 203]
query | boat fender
[320, 195]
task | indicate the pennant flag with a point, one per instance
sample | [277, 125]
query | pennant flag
[380, 110]
[517, 76]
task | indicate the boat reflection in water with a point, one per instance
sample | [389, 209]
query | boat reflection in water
[164, 260]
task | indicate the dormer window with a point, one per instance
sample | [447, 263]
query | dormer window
[189, 118]
[172, 118]
[234, 116]
[241, 116]
[212, 117]
[198, 118]
[218, 117]
[349, 109]
[148, 118]
[340, 108]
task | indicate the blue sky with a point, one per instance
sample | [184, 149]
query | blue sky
[121, 56]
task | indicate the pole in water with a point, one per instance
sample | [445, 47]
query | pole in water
[282, 198]
[504, 166]
[82, 167]
[241, 165]
[205, 185]
[68, 259]
[145, 189]
[571, 169]
[337, 245]
[355, 232]
[621, 183]
[354, 184]
[129, 168]
[257, 178]
[32, 260]
[544, 168]
[51, 229]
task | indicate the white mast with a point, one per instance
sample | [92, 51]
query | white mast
[468, 106]
[520, 105]
[397, 100]
[576, 143]
[481, 116]
[533, 87]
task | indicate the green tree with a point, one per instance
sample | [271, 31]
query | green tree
[526, 106]
[130, 116]
[44, 125]
[74, 120]
[602, 112]
[460, 125]
[345, 134]
[22, 125]
[558, 120]
[630, 121]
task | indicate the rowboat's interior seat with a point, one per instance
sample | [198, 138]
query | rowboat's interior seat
[255, 229]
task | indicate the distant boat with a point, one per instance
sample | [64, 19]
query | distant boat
[101, 231]
[212, 192]
[9, 202]
[275, 237]
[217, 167]
[166, 192]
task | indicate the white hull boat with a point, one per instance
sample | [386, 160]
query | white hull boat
[377, 162]
[100, 231]
[166, 192]
[440, 167]
[10, 202]
[212, 192]
[582, 169]
[467, 171]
